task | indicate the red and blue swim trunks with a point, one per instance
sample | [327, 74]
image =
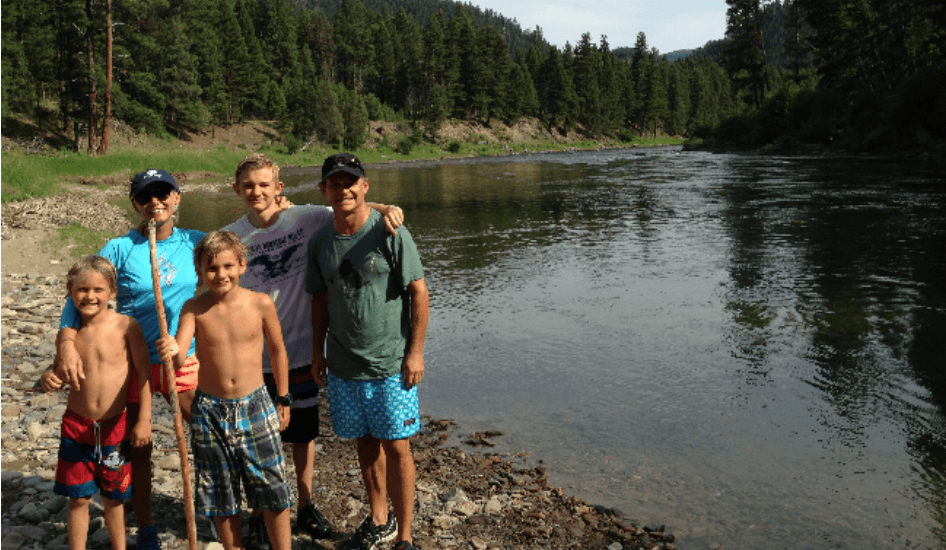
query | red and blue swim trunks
[93, 457]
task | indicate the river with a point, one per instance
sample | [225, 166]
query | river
[745, 348]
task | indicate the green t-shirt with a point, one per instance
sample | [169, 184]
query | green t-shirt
[369, 315]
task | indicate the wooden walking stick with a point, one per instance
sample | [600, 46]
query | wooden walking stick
[172, 391]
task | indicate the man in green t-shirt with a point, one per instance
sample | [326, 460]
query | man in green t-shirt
[369, 322]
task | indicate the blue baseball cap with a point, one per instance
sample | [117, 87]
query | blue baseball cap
[149, 176]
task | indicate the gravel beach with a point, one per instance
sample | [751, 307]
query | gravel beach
[467, 497]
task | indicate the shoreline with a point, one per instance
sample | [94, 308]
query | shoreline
[465, 497]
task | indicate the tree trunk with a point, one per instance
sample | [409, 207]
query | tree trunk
[93, 93]
[103, 144]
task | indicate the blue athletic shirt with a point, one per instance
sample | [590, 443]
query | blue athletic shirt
[132, 258]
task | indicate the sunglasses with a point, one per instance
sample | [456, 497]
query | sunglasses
[340, 161]
[160, 192]
[350, 162]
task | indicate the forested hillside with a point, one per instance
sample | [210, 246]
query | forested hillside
[191, 64]
[855, 72]
[423, 10]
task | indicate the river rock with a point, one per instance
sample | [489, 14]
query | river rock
[171, 461]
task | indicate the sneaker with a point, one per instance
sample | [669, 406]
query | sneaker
[258, 538]
[405, 545]
[369, 536]
[314, 522]
[148, 538]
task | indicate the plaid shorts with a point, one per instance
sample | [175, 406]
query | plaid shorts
[238, 440]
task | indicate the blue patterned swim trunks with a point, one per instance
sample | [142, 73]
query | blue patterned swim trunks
[238, 440]
[383, 408]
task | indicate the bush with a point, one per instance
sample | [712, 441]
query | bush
[405, 146]
[454, 146]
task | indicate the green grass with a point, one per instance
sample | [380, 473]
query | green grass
[26, 176]
[82, 240]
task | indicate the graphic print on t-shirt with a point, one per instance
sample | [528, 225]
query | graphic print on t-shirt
[277, 258]
[167, 269]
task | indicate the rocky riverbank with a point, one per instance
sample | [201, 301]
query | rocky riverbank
[465, 498]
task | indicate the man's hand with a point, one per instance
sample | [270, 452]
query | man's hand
[51, 382]
[283, 412]
[283, 203]
[319, 370]
[412, 371]
[69, 368]
[393, 218]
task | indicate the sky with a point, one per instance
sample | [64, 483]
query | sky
[668, 24]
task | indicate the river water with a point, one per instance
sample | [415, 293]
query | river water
[745, 348]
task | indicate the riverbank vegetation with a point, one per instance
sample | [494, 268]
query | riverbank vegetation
[849, 75]
[321, 74]
[321, 71]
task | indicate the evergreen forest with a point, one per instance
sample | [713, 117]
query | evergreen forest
[859, 74]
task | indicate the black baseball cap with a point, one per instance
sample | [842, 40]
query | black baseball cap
[342, 162]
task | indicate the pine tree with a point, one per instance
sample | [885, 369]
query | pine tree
[204, 23]
[254, 74]
[586, 74]
[642, 74]
[462, 35]
[438, 77]
[326, 123]
[178, 79]
[679, 100]
[745, 51]
[281, 43]
[521, 97]
[350, 34]
[610, 83]
[492, 72]
[557, 98]
[385, 74]
[354, 117]
[409, 65]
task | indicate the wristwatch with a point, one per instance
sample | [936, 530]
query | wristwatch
[284, 400]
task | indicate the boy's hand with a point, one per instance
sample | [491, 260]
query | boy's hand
[283, 412]
[319, 371]
[51, 382]
[141, 434]
[412, 371]
[393, 218]
[167, 348]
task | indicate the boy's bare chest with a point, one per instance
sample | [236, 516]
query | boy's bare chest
[234, 325]
[103, 350]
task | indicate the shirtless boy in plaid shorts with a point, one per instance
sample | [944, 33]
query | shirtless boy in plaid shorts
[235, 426]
